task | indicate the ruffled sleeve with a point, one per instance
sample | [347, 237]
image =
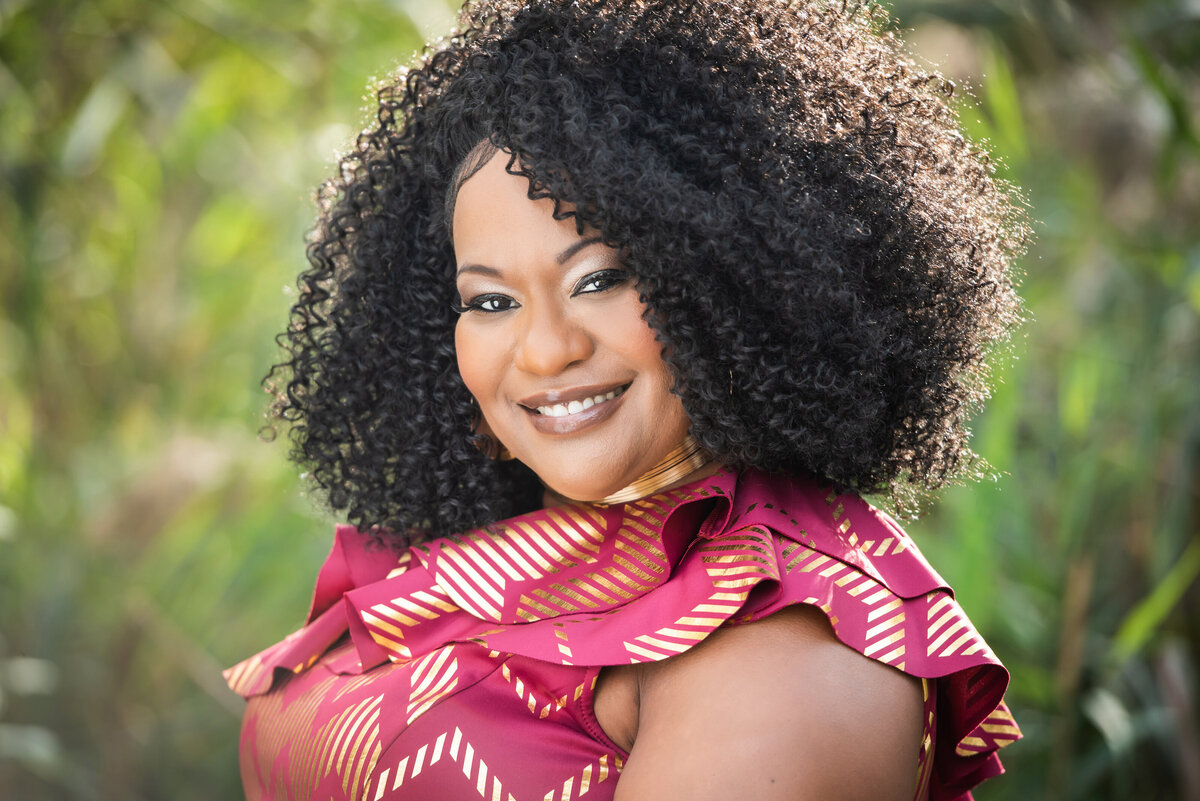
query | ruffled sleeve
[883, 600]
[353, 561]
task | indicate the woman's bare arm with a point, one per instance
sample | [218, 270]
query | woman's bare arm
[776, 709]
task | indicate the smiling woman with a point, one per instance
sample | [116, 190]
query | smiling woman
[718, 268]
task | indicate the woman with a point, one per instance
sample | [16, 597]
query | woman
[610, 319]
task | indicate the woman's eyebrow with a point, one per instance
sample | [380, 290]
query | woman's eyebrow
[478, 268]
[575, 248]
[561, 258]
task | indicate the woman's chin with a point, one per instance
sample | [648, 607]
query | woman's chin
[580, 487]
[578, 492]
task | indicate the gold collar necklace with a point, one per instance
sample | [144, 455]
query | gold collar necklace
[675, 466]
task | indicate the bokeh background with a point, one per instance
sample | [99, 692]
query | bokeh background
[158, 159]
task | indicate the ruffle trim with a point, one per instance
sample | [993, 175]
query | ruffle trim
[648, 580]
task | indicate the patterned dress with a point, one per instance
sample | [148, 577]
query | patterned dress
[464, 668]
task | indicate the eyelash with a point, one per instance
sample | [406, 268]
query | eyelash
[610, 279]
[476, 304]
[607, 279]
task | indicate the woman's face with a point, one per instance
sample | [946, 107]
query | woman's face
[552, 343]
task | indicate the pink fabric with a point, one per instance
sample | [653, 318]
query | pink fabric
[464, 667]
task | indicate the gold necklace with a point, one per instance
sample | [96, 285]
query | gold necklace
[676, 465]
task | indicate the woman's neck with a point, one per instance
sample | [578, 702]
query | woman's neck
[683, 465]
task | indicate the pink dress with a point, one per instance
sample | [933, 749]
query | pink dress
[463, 668]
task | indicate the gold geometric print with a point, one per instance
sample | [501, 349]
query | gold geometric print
[688, 630]
[568, 537]
[563, 648]
[479, 565]
[925, 759]
[739, 560]
[432, 679]
[949, 632]
[454, 748]
[996, 731]
[636, 560]
[886, 622]
[735, 563]
[386, 621]
[352, 683]
[386, 635]
[887, 546]
[471, 592]
[1000, 723]
[275, 726]
[402, 565]
[538, 705]
[350, 746]
[882, 610]
[594, 773]
[242, 676]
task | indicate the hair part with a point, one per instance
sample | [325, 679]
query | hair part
[472, 163]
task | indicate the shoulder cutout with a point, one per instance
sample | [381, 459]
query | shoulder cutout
[775, 709]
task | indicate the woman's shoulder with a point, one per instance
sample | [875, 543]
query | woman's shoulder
[834, 554]
[778, 708]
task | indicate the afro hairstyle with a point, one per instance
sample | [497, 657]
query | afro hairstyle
[825, 258]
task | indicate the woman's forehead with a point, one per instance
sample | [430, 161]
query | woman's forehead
[479, 155]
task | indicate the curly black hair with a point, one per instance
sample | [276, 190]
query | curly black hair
[824, 256]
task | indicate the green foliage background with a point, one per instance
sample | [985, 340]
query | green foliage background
[157, 161]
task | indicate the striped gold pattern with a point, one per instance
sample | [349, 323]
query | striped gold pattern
[455, 749]
[593, 773]
[433, 677]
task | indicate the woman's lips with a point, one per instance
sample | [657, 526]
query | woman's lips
[577, 406]
[573, 410]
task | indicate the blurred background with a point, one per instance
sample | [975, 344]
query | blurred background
[157, 160]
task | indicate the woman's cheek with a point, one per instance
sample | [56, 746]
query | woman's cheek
[468, 356]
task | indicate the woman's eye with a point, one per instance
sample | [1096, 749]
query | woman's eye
[598, 282]
[487, 303]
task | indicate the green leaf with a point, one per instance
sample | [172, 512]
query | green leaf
[1145, 619]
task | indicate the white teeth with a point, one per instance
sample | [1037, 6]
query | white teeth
[575, 407]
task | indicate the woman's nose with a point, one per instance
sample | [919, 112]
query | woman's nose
[549, 341]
